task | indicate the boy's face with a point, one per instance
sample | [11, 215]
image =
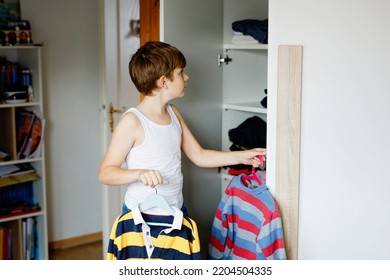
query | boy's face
[178, 84]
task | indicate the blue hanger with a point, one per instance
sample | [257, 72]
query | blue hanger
[156, 201]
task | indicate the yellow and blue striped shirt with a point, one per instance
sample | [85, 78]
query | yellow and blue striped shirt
[168, 238]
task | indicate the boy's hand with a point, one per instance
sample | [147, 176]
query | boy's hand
[151, 178]
[251, 157]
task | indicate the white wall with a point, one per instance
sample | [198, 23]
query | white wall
[344, 210]
[69, 31]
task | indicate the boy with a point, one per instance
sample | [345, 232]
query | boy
[151, 136]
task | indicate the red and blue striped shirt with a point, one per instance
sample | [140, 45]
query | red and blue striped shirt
[247, 225]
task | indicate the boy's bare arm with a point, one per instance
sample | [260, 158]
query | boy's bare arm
[212, 158]
[122, 140]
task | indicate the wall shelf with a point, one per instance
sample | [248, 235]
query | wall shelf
[245, 46]
[253, 107]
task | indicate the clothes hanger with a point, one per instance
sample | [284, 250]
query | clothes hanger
[253, 175]
[156, 201]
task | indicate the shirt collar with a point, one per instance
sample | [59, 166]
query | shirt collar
[176, 224]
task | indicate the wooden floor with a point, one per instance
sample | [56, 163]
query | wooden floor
[90, 251]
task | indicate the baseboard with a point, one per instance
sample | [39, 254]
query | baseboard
[74, 241]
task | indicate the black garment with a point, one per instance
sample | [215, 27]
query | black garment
[252, 133]
[264, 101]
[258, 29]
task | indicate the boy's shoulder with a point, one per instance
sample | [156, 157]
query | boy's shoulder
[129, 118]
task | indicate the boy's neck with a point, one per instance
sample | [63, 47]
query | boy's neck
[154, 110]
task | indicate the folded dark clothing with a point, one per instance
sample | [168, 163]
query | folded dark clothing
[252, 133]
[264, 101]
[258, 29]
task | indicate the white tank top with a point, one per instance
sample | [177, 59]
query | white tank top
[160, 150]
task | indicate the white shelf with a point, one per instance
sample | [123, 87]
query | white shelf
[18, 161]
[22, 216]
[253, 107]
[34, 46]
[24, 104]
[245, 46]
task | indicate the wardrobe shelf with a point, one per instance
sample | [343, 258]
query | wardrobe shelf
[245, 46]
[253, 107]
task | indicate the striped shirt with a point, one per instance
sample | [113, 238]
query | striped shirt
[247, 225]
[167, 238]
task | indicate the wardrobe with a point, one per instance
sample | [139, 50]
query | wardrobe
[342, 109]
[226, 84]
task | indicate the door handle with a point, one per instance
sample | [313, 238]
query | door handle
[111, 111]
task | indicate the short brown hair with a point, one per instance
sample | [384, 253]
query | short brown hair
[151, 61]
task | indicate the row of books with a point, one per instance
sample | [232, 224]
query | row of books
[17, 199]
[30, 247]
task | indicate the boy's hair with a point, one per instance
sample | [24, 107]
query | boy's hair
[151, 61]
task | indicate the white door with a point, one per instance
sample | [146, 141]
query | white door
[120, 41]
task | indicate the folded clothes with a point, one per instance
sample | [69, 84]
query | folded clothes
[251, 133]
[244, 39]
[258, 29]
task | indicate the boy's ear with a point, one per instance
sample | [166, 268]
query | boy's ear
[161, 82]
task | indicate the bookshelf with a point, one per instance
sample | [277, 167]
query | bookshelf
[23, 218]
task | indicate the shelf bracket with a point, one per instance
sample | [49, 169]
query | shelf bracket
[225, 60]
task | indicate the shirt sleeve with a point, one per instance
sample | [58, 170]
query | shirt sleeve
[217, 240]
[270, 239]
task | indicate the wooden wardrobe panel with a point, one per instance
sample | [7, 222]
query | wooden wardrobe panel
[288, 133]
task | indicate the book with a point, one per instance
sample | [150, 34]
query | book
[15, 169]
[24, 231]
[6, 251]
[2, 257]
[30, 133]
[25, 121]
[29, 237]
[8, 169]
[4, 156]
[36, 136]
[17, 173]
